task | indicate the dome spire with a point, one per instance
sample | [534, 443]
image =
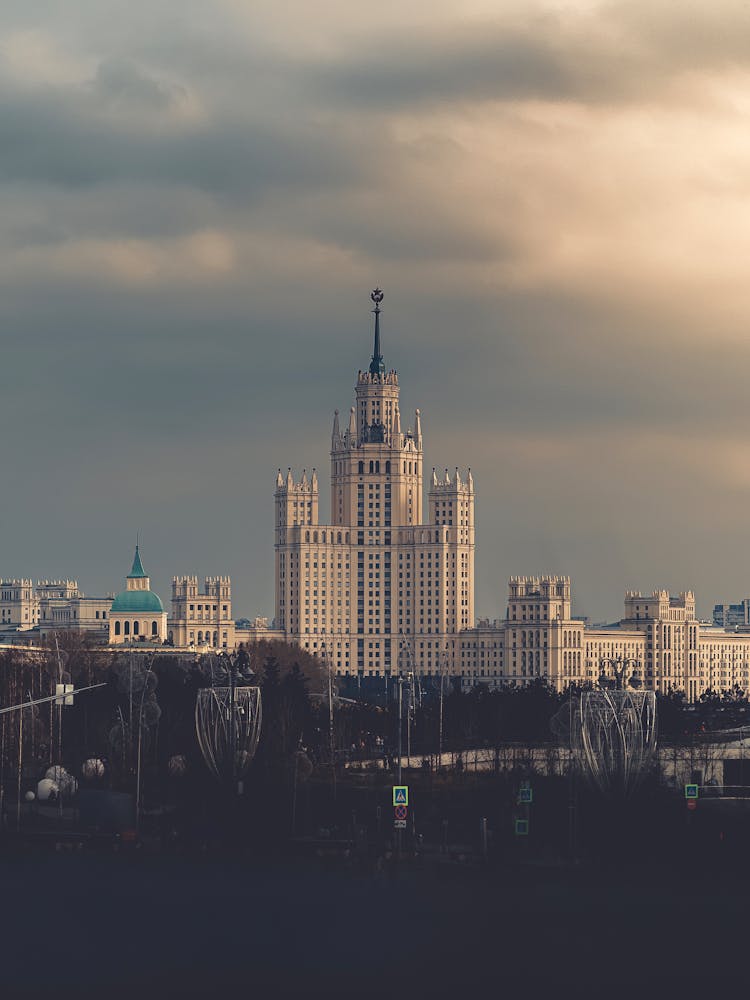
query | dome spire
[137, 570]
[377, 365]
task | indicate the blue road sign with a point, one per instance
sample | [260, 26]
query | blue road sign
[401, 795]
[691, 791]
[525, 794]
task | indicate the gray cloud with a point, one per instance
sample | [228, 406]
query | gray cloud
[119, 83]
[45, 139]
[194, 213]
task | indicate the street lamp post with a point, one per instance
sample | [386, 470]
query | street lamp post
[408, 717]
[443, 670]
[331, 739]
[138, 760]
[619, 669]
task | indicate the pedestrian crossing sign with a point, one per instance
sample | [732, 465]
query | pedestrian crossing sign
[401, 795]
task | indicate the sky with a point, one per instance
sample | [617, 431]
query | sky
[197, 198]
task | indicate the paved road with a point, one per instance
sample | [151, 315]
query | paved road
[117, 926]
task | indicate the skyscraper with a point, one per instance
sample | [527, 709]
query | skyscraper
[378, 589]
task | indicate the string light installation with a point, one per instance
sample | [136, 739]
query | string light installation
[611, 730]
[227, 724]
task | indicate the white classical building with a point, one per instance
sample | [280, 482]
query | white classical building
[137, 614]
[51, 606]
[378, 589]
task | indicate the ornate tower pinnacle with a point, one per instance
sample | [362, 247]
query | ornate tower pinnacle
[377, 365]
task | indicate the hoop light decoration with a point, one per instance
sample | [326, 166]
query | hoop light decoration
[227, 724]
[611, 734]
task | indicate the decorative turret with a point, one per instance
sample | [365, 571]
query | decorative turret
[296, 503]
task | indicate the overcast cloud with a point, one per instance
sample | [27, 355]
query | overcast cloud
[197, 199]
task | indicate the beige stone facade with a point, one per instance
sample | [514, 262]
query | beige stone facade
[378, 579]
[52, 606]
[668, 649]
[19, 605]
[63, 608]
[202, 619]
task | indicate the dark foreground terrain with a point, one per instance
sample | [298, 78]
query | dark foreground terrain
[111, 926]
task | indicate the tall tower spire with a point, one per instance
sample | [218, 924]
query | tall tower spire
[377, 365]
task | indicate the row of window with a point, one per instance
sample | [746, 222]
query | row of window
[136, 628]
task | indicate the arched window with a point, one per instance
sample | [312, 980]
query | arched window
[171, 637]
[117, 628]
[404, 466]
[324, 537]
[346, 537]
[372, 466]
[361, 468]
[200, 638]
[127, 628]
[154, 628]
[136, 628]
[387, 467]
[315, 536]
[307, 536]
[216, 638]
[377, 466]
[338, 536]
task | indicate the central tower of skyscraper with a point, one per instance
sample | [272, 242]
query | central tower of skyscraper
[377, 590]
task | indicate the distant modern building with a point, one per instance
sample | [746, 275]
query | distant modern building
[137, 614]
[377, 589]
[732, 615]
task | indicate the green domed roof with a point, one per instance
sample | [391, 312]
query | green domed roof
[130, 601]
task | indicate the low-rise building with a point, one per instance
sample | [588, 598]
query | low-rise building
[137, 614]
[202, 619]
